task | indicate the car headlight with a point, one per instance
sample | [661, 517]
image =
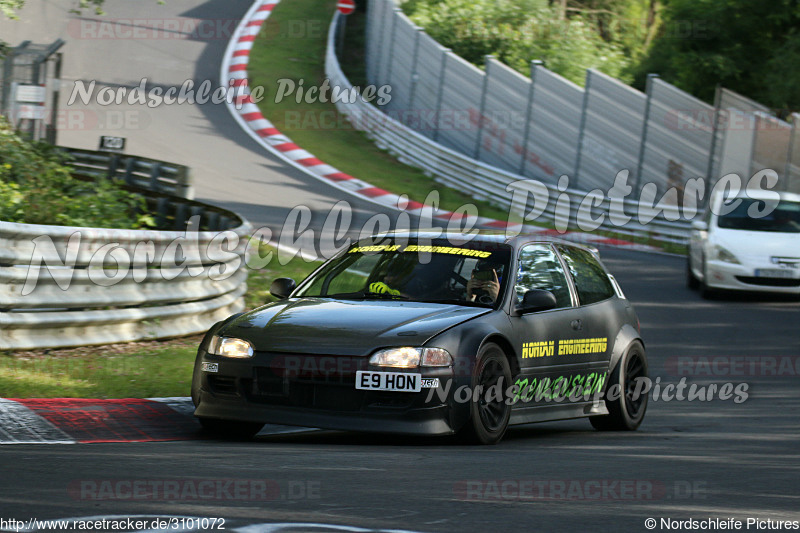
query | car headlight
[230, 347]
[408, 357]
[725, 256]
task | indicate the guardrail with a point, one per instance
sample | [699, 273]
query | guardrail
[151, 174]
[70, 286]
[482, 181]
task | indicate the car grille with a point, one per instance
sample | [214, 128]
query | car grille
[769, 282]
[316, 382]
[222, 384]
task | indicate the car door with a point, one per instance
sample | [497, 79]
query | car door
[599, 314]
[539, 336]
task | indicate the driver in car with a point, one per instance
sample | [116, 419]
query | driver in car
[396, 274]
[484, 284]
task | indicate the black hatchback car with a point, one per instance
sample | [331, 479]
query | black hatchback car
[431, 334]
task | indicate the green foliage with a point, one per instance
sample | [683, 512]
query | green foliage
[782, 77]
[603, 37]
[569, 51]
[9, 7]
[749, 46]
[36, 187]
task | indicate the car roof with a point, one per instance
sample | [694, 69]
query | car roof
[483, 236]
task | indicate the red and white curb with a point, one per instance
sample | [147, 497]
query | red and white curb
[78, 420]
[247, 114]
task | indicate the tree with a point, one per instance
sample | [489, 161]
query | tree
[782, 78]
[9, 7]
[743, 45]
[566, 35]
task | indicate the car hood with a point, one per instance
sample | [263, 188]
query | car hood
[758, 244]
[345, 327]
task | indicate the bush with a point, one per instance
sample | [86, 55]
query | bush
[37, 187]
[516, 32]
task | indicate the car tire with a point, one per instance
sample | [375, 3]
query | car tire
[230, 429]
[625, 411]
[691, 280]
[489, 415]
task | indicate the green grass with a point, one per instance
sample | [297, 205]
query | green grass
[157, 369]
[258, 281]
[131, 370]
[285, 51]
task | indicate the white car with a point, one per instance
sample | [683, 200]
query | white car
[747, 243]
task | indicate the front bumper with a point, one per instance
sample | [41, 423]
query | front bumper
[318, 391]
[749, 277]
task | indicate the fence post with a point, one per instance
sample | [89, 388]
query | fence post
[643, 143]
[757, 115]
[341, 27]
[586, 89]
[374, 77]
[5, 90]
[395, 12]
[442, 74]
[184, 189]
[113, 164]
[52, 127]
[487, 61]
[368, 39]
[714, 132]
[130, 166]
[414, 76]
[792, 140]
[529, 115]
[155, 173]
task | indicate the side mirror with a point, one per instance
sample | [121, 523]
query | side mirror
[282, 287]
[537, 300]
[699, 225]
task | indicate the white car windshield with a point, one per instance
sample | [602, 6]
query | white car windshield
[785, 218]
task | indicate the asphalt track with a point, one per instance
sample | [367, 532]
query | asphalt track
[697, 459]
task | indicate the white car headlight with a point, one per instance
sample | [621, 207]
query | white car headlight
[725, 256]
[230, 347]
[408, 357]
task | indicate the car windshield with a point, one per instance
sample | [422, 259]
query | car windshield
[472, 273]
[785, 218]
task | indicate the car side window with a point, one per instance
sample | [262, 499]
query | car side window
[591, 280]
[539, 268]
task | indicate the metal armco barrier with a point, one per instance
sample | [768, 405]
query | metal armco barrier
[70, 286]
[481, 180]
[159, 176]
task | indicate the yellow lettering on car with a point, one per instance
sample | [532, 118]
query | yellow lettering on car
[582, 346]
[538, 349]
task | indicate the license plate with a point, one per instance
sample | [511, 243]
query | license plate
[774, 273]
[388, 381]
